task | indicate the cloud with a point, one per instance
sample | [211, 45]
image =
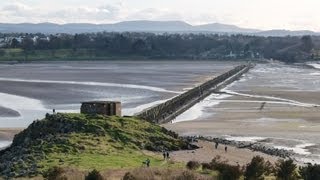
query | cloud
[246, 13]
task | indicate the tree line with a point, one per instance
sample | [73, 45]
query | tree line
[174, 46]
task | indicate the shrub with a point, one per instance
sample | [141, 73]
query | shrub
[226, 171]
[193, 165]
[257, 168]
[206, 166]
[269, 168]
[310, 172]
[94, 175]
[55, 173]
[141, 173]
[129, 176]
[187, 175]
[229, 172]
[286, 170]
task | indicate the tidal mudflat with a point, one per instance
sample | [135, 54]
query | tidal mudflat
[28, 91]
[274, 103]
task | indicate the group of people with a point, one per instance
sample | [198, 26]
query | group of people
[166, 155]
[225, 148]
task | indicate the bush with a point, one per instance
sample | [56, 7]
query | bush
[141, 173]
[128, 176]
[55, 173]
[286, 170]
[226, 171]
[193, 165]
[94, 175]
[257, 168]
[186, 175]
[206, 166]
[310, 172]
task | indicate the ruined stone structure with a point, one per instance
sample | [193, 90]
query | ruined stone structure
[108, 108]
[166, 112]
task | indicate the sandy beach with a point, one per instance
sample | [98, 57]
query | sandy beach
[207, 152]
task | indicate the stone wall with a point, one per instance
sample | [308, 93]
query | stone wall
[166, 112]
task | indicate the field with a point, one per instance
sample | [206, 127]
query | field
[59, 54]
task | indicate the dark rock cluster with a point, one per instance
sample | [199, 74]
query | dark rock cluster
[254, 146]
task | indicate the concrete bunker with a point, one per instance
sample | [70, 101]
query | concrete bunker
[107, 108]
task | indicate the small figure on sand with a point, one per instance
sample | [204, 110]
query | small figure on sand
[216, 146]
[168, 155]
[262, 106]
[226, 149]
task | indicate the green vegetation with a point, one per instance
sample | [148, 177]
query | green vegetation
[93, 146]
[286, 170]
[104, 46]
[310, 172]
[87, 142]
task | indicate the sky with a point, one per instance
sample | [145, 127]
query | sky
[258, 14]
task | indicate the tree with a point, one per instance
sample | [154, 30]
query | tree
[310, 172]
[255, 169]
[307, 44]
[286, 170]
[14, 43]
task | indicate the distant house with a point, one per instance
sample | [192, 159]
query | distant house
[107, 108]
[231, 55]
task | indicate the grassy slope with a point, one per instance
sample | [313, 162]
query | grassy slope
[88, 142]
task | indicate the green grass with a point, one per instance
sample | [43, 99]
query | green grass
[88, 142]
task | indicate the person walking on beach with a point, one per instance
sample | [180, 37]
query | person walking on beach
[217, 144]
[226, 149]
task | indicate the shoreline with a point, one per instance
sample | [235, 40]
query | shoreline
[206, 152]
[7, 134]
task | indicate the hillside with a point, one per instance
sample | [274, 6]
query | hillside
[144, 26]
[85, 142]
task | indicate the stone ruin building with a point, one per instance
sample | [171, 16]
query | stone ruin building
[107, 108]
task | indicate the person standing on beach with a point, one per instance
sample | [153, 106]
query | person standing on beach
[226, 149]
[217, 144]
[164, 155]
[168, 155]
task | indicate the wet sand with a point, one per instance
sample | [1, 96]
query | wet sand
[63, 85]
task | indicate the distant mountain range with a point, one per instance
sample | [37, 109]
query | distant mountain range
[144, 26]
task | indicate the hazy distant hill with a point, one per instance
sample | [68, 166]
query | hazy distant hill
[217, 27]
[281, 33]
[143, 26]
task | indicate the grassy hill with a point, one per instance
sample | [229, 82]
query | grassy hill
[86, 142]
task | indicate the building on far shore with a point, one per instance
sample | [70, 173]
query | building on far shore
[107, 108]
